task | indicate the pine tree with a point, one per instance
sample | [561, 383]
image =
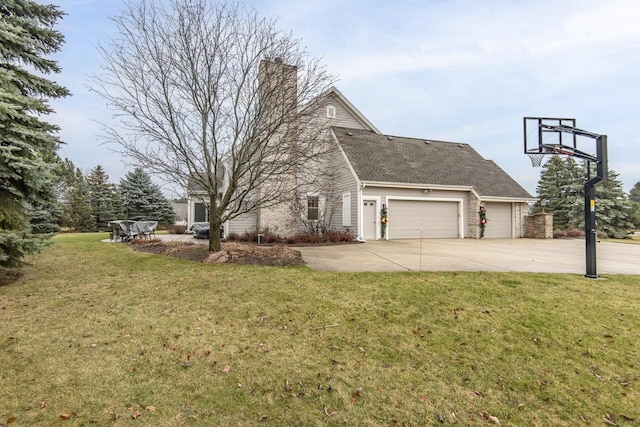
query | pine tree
[561, 185]
[26, 141]
[143, 199]
[105, 198]
[559, 189]
[634, 200]
[613, 210]
[75, 198]
[634, 194]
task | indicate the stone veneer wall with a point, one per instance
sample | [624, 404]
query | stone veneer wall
[538, 226]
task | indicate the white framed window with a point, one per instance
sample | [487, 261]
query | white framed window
[313, 208]
[346, 209]
[331, 112]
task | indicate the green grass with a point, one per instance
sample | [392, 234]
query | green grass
[633, 240]
[102, 334]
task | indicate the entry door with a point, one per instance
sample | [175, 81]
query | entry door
[369, 220]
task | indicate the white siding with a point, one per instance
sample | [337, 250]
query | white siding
[242, 224]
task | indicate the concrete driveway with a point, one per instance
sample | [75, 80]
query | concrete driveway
[527, 255]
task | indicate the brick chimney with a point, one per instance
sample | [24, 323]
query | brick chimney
[278, 102]
[278, 88]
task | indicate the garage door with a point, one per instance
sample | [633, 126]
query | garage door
[436, 220]
[500, 220]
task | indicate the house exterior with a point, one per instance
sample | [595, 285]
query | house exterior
[432, 189]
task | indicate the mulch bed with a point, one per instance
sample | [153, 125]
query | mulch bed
[231, 253]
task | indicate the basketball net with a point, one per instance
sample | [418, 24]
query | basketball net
[536, 159]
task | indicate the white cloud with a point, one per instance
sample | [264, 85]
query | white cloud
[456, 69]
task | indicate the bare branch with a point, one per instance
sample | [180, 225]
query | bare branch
[211, 96]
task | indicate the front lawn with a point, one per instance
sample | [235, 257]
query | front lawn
[98, 334]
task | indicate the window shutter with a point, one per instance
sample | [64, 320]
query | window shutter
[346, 209]
[321, 206]
[304, 212]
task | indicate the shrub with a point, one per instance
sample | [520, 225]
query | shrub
[252, 236]
[178, 229]
[339, 236]
[568, 233]
[296, 239]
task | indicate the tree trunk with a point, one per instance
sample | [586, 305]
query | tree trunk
[214, 225]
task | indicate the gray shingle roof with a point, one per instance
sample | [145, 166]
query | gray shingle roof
[381, 158]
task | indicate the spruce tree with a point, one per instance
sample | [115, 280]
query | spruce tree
[105, 198]
[634, 194]
[634, 200]
[26, 141]
[561, 185]
[143, 199]
[559, 189]
[75, 198]
[613, 210]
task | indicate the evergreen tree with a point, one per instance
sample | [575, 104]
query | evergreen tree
[75, 197]
[26, 141]
[105, 198]
[561, 185]
[634, 194]
[634, 200]
[613, 210]
[143, 199]
[559, 189]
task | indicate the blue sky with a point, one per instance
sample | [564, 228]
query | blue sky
[464, 71]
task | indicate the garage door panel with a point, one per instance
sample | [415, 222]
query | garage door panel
[500, 220]
[410, 218]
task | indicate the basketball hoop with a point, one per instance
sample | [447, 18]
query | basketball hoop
[536, 159]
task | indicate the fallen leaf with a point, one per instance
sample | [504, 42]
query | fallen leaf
[494, 420]
[11, 420]
[353, 400]
[150, 408]
[423, 399]
[43, 404]
[67, 416]
[226, 369]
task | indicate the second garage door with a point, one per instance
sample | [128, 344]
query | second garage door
[500, 220]
[436, 220]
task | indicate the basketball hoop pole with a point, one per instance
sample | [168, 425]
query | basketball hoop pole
[560, 126]
[590, 233]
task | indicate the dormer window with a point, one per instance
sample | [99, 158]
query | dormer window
[331, 112]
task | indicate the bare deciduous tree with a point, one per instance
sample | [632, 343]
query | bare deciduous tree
[210, 96]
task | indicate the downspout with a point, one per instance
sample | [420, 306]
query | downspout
[359, 237]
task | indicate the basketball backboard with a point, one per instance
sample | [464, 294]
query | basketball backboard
[547, 135]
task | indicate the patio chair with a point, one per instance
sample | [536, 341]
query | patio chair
[127, 230]
[148, 228]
